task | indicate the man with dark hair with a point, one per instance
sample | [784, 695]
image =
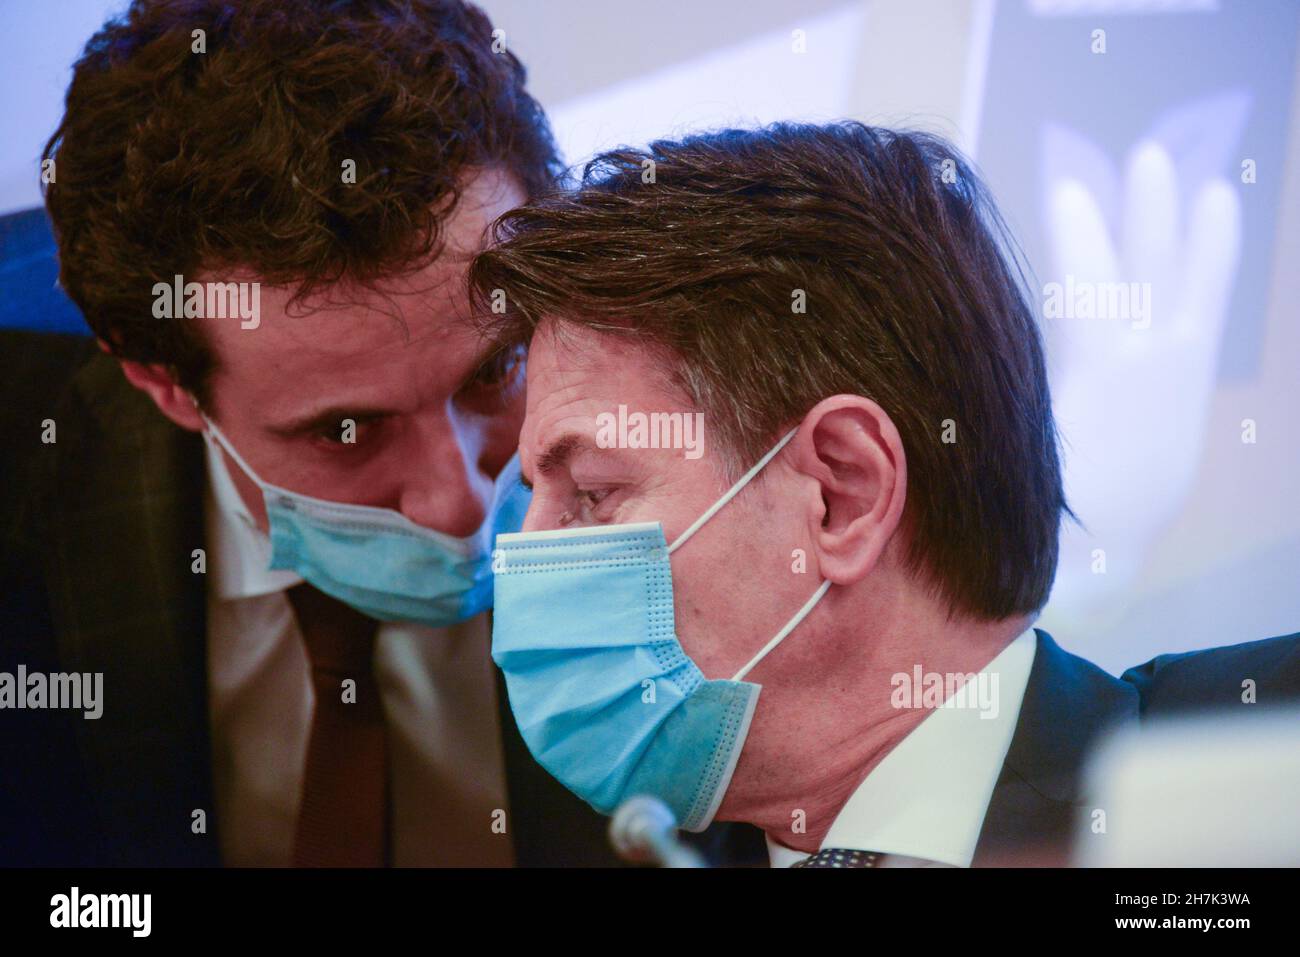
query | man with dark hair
[264, 211]
[872, 484]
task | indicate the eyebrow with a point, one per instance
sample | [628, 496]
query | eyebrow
[556, 455]
[561, 450]
[333, 416]
[330, 418]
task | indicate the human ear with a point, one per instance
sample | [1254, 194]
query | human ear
[157, 382]
[849, 445]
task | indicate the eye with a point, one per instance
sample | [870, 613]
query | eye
[589, 502]
[591, 497]
[496, 377]
[331, 436]
[347, 433]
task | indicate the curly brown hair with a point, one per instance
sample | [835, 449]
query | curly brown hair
[173, 161]
[916, 297]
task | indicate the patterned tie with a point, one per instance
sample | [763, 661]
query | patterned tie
[841, 857]
[343, 817]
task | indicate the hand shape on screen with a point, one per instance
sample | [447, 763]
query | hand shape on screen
[1132, 391]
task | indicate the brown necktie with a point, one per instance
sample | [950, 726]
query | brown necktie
[343, 816]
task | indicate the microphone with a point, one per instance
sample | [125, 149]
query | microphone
[643, 830]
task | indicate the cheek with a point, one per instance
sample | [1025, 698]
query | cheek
[496, 437]
[510, 422]
[710, 598]
[736, 592]
[694, 620]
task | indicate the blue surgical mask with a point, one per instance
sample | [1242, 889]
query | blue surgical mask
[380, 562]
[604, 695]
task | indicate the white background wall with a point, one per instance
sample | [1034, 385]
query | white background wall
[1223, 569]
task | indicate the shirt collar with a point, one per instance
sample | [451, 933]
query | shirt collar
[240, 552]
[928, 797]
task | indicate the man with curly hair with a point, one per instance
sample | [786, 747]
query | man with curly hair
[265, 212]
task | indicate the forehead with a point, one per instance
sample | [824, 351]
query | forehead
[405, 332]
[576, 373]
[400, 349]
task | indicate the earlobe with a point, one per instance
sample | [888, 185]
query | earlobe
[158, 383]
[852, 449]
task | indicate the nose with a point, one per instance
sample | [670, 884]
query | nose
[444, 489]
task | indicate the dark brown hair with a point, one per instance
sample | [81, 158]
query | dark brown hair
[170, 161]
[915, 298]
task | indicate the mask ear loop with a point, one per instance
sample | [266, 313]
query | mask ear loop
[790, 625]
[811, 603]
[731, 493]
[221, 440]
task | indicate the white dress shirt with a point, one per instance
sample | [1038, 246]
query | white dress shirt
[927, 798]
[439, 696]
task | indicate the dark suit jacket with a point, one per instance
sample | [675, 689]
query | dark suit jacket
[1069, 702]
[96, 535]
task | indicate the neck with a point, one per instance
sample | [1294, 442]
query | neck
[825, 718]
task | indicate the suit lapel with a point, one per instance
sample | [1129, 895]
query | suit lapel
[125, 512]
[1038, 796]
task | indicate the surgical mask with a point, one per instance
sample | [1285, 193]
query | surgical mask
[604, 695]
[380, 562]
